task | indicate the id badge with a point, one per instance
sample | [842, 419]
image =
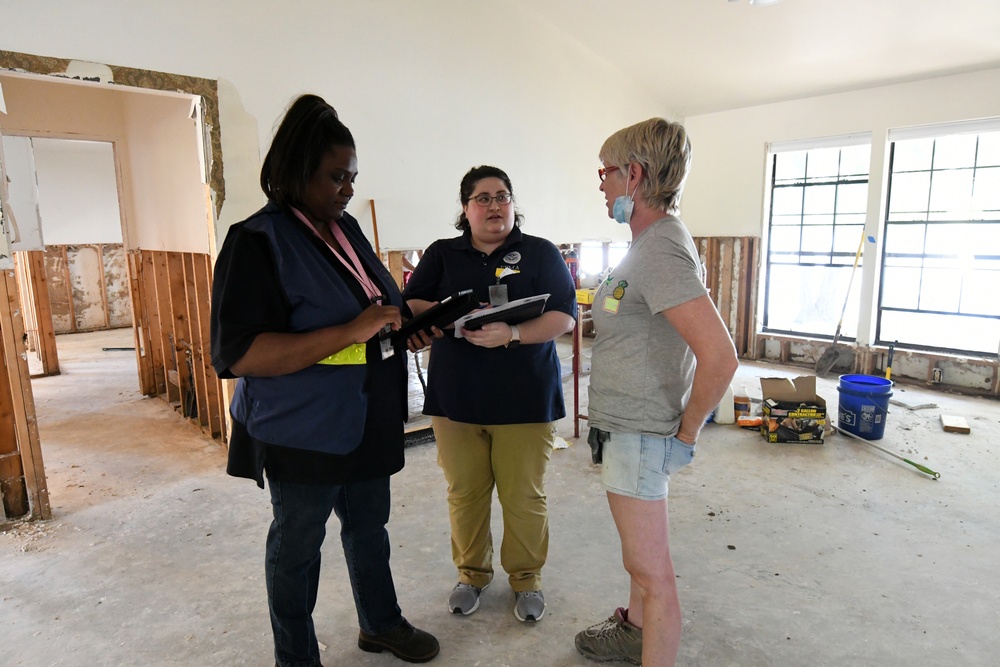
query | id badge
[385, 342]
[498, 295]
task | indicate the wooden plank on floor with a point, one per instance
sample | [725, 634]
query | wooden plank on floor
[955, 424]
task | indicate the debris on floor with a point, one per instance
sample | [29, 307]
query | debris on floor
[954, 424]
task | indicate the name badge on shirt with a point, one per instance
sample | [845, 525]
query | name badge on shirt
[498, 295]
[385, 342]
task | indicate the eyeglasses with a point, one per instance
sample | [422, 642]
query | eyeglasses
[603, 172]
[503, 199]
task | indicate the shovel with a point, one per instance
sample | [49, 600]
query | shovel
[832, 353]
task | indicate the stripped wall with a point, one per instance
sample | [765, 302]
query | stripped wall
[88, 287]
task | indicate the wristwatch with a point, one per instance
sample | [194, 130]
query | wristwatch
[515, 338]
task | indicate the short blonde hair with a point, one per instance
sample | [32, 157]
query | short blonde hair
[663, 150]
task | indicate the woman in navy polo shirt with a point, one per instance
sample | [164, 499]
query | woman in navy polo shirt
[494, 393]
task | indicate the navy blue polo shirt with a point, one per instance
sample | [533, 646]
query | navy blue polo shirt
[476, 385]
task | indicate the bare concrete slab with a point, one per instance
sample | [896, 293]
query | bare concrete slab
[787, 555]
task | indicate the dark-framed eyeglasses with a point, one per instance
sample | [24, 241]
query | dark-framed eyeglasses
[502, 199]
[603, 172]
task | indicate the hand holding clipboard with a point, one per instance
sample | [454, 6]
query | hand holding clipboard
[514, 312]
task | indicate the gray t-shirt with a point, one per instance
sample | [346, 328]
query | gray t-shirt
[641, 368]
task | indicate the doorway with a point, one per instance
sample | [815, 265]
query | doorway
[166, 221]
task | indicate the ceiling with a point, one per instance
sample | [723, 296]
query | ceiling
[700, 56]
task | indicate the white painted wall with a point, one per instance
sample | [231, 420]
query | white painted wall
[22, 194]
[429, 89]
[724, 195]
[77, 191]
[165, 175]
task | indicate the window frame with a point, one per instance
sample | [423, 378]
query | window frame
[890, 225]
[835, 259]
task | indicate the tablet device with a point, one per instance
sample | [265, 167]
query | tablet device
[514, 312]
[439, 315]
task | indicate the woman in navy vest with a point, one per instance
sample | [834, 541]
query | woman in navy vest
[298, 303]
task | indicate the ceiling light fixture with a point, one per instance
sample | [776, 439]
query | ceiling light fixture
[760, 3]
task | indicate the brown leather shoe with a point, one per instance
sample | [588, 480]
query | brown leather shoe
[404, 641]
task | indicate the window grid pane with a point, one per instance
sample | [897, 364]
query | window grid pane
[818, 205]
[941, 256]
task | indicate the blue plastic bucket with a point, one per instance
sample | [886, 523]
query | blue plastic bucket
[864, 405]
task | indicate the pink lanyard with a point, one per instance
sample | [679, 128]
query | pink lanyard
[357, 270]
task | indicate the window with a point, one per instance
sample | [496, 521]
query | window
[940, 284]
[595, 256]
[818, 200]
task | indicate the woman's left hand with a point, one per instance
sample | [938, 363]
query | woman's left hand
[494, 334]
[422, 339]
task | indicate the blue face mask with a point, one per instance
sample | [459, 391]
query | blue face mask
[622, 208]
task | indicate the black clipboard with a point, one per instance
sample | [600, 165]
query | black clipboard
[514, 312]
[439, 315]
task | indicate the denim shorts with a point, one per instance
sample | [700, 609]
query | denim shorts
[639, 466]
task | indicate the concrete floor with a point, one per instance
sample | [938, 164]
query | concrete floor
[786, 555]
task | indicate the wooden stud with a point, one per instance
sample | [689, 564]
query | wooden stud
[731, 279]
[196, 349]
[140, 330]
[165, 329]
[99, 248]
[378, 251]
[396, 267]
[68, 283]
[22, 272]
[21, 398]
[152, 314]
[13, 492]
[48, 353]
[203, 302]
[177, 316]
[727, 291]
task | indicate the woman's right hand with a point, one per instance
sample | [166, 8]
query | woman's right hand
[372, 319]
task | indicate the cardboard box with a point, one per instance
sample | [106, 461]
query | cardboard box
[792, 411]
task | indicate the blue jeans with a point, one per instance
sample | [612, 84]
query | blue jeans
[292, 563]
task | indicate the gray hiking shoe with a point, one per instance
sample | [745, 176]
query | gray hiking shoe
[529, 606]
[613, 639]
[464, 598]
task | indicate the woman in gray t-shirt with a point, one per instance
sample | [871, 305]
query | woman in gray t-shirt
[661, 361]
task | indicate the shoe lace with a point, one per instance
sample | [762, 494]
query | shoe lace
[607, 629]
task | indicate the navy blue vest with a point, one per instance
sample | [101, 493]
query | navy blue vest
[320, 408]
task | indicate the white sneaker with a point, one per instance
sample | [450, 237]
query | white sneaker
[464, 598]
[529, 606]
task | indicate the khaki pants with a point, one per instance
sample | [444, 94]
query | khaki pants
[512, 457]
